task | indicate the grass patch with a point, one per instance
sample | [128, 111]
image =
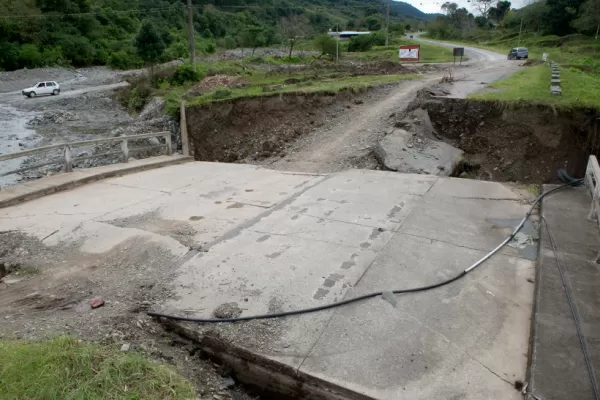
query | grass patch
[430, 53]
[274, 85]
[534, 189]
[63, 368]
[532, 85]
[26, 271]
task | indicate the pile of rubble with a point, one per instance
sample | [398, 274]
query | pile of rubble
[52, 117]
[211, 83]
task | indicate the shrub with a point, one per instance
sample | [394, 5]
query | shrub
[210, 48]
[176, 50]
[255, 59]
[326, 45]
[365, 42]
[77, 50]
[9, 55]
[123, 60]
[139, 97]
[221, 94]
[230, 43]
[187, 73]
[30, 57]
[135, 96]
[52, 56]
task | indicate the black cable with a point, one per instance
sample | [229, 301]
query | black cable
[304, 310]
[365, 296]
[564, 176]
[574, 313]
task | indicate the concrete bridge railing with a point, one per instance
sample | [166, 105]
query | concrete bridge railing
[66, 159]
[592, 182]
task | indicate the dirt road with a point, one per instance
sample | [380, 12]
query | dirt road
[348, 144]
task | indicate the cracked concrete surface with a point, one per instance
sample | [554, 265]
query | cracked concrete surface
[297, 240]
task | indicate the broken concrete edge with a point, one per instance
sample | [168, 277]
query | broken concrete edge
[536, 295]
[36, 193]
[262, 372]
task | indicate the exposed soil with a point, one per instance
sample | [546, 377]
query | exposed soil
[300, 132]
[255, 129]
[211, 83]
[528, 144]
[47, 291]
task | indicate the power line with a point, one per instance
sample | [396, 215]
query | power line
[54, 15]
[183, 7]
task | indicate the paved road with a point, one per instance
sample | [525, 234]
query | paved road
[474, 54]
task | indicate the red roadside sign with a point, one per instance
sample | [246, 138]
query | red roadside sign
[410, 53]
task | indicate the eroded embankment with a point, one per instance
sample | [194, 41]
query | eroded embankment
[256, 128]
[509, 143]
[501, 142]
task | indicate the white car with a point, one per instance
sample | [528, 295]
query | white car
[46, 87]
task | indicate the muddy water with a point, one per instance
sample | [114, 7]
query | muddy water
[13, 130]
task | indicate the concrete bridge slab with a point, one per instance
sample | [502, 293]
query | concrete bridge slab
[249, 241]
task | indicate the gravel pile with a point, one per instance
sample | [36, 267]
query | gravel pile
[54, 117]
[211, 83]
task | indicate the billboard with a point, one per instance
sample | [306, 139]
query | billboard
[410, 53]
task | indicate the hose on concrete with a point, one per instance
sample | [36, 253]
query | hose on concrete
[574, 182]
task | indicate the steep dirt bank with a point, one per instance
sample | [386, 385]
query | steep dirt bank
[506, 143]
[258, 128]
[317, 133]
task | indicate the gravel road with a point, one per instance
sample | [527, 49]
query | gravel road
[349, 143]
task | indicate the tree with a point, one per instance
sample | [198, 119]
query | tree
[459, 18]
[326, 45]
[449, 8]
[397, 28]
[293, 28]
[30, 56]
[498, 12]
[483, 6]
[77, 50]
[373, 23]
[149, 44]
[589, 18]
[9, 55]
[253, 37]
[533, 17]
[560, 15]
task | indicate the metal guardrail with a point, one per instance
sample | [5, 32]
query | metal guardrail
[592, 181]
[67, 159]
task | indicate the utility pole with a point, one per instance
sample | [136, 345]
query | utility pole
[387, 25]
[191, 42]
[597, 30]
[520, 29]
[337, 44]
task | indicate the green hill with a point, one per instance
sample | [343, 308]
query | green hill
[35, 33]
[405, 10]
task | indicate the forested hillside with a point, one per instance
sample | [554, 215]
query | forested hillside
[542, 17]
[36, 33]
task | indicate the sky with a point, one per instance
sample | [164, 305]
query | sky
[434, 6]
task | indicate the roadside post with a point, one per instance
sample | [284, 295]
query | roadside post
[458, 52]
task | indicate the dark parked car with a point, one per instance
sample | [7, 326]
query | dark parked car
[518, 53]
